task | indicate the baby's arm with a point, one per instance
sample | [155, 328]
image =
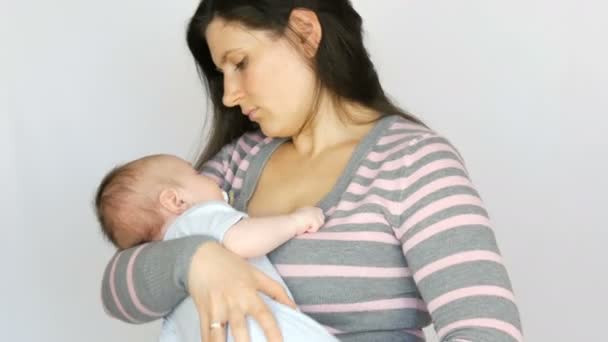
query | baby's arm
[257, 236]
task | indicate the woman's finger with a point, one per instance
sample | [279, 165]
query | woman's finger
[238, 325]
[273, 289]
[259, 312]
[218, 334]
[218, 318]
[204, 320]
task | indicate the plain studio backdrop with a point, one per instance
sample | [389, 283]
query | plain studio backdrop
[518, 86]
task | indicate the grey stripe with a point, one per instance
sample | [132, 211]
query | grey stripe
[460, 239]
[477, 273]
[339, 290]
[249, 141]
[383, 336]
[106, 293]
[401, 173]
[349, 253]
[480, 334]
[446, 213]
[360, 227]
[373, 320]
[395, 219]
[406, 152]
[409, 140]
[421, 130]
[491, 307]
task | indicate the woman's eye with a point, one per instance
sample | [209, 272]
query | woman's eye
[242, 64]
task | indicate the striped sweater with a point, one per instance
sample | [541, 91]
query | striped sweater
[406, 242]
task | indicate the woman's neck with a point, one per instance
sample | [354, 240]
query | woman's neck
[327, 130]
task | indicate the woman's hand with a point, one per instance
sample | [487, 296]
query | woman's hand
[224, 288]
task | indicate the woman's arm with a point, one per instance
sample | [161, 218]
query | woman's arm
[451, 249]
[146, 282]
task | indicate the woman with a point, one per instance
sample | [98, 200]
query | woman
[300, 119]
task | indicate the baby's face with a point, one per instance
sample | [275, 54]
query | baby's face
[196, 188]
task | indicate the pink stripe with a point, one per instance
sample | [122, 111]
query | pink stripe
[130, 285]
[376, 305]
[456, 259]
[228, 176]
[231, 176]
[244, 148]
[396, 207]
[403, 125]
[330, 211]
[244, 165]
[482, 323]
[342, 271]
[237, 183]
[399, 163]
[396, 137]
[359, 218]
[442, 226]
[217, 166]
[437, 206]
[379, 183]
[434, 166]
[434, 186]
[473, 291]
[423, 151]
[403, 182]
[352, 236]
[412, 158]
[257, 137]
[113, 290]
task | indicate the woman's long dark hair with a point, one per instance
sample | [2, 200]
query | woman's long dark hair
[342, 64]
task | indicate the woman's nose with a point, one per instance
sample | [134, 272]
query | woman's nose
[232, 90]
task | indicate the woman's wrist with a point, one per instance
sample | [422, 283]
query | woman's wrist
[204, 252]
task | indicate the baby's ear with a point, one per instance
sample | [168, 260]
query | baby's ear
[172, 200]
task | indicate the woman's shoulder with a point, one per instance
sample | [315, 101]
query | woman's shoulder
[406, 142]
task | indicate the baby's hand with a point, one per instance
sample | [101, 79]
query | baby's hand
[308, 220]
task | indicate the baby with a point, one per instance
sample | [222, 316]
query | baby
[163, 197]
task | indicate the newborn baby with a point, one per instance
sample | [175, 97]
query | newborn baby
[163, 197]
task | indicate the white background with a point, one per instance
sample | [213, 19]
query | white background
[520, 87]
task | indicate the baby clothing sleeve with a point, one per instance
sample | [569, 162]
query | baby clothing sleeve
[211, 218]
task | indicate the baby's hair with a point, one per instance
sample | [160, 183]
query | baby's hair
[122, 205]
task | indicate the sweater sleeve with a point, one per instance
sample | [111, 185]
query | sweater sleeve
[450, 247]
[146, 282]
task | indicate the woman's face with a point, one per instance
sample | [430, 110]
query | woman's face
[264, 75]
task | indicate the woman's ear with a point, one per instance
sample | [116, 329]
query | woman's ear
[307, 27]
[172, 200]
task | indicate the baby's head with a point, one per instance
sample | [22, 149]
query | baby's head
[135, 201]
